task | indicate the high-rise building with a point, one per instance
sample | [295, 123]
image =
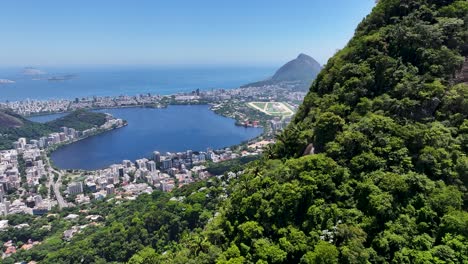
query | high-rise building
[22, 142]
[141, 163]
[157, 157]
[127, 163]
[71, 133]
[75, 188]
[35, 142]
[151, 165]
[62, 136]
[5, 208]
[42, 142]
[110, 189]
[166, 164]
[202, 156]
[91, 186]
[37, 199]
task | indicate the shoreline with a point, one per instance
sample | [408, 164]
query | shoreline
[90, 109]
[237, 122]
[49, 151]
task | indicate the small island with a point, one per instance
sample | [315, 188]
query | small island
[6, 81]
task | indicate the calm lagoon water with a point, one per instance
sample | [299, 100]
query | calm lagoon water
[176, 128]
[46, 118]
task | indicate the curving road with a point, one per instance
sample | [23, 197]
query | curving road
[58, 195]
[56, 186]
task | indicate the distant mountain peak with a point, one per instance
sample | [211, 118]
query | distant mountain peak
[303, 69]
[304, 56]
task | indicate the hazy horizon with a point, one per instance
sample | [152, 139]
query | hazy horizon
[179, 33]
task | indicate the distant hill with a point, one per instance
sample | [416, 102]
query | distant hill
[79, 120]
[8, 120]
[301, 72]
[14, 126]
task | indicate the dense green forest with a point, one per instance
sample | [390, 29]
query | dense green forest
[13, 126]
[387, 182]
[229, 165]
[79, 120]
[11, 131]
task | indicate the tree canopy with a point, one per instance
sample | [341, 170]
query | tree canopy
[387, 182]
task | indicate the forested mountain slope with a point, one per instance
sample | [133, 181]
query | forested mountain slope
[386, 181]
[14, 126]
[388, 124]
[8, 120]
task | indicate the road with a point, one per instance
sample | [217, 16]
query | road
[56, 185]
[49, 185]
[58, 195]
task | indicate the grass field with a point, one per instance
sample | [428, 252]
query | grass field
[272, 108]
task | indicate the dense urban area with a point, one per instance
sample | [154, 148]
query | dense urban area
[32, 185]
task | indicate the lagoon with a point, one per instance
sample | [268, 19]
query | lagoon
[172, 129]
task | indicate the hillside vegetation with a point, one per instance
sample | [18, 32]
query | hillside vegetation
[9, 120]
[390, 132]
[79, 120]
[387, 182]
[13, 126]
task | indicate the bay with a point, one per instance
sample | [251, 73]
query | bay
[173, 129]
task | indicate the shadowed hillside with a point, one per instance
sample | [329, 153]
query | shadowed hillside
[13, 126]
[10, 120]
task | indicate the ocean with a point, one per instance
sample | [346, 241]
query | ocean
[123, 80]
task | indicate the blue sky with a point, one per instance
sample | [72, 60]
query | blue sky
[174, 32]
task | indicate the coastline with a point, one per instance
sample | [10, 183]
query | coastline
[91, 109]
